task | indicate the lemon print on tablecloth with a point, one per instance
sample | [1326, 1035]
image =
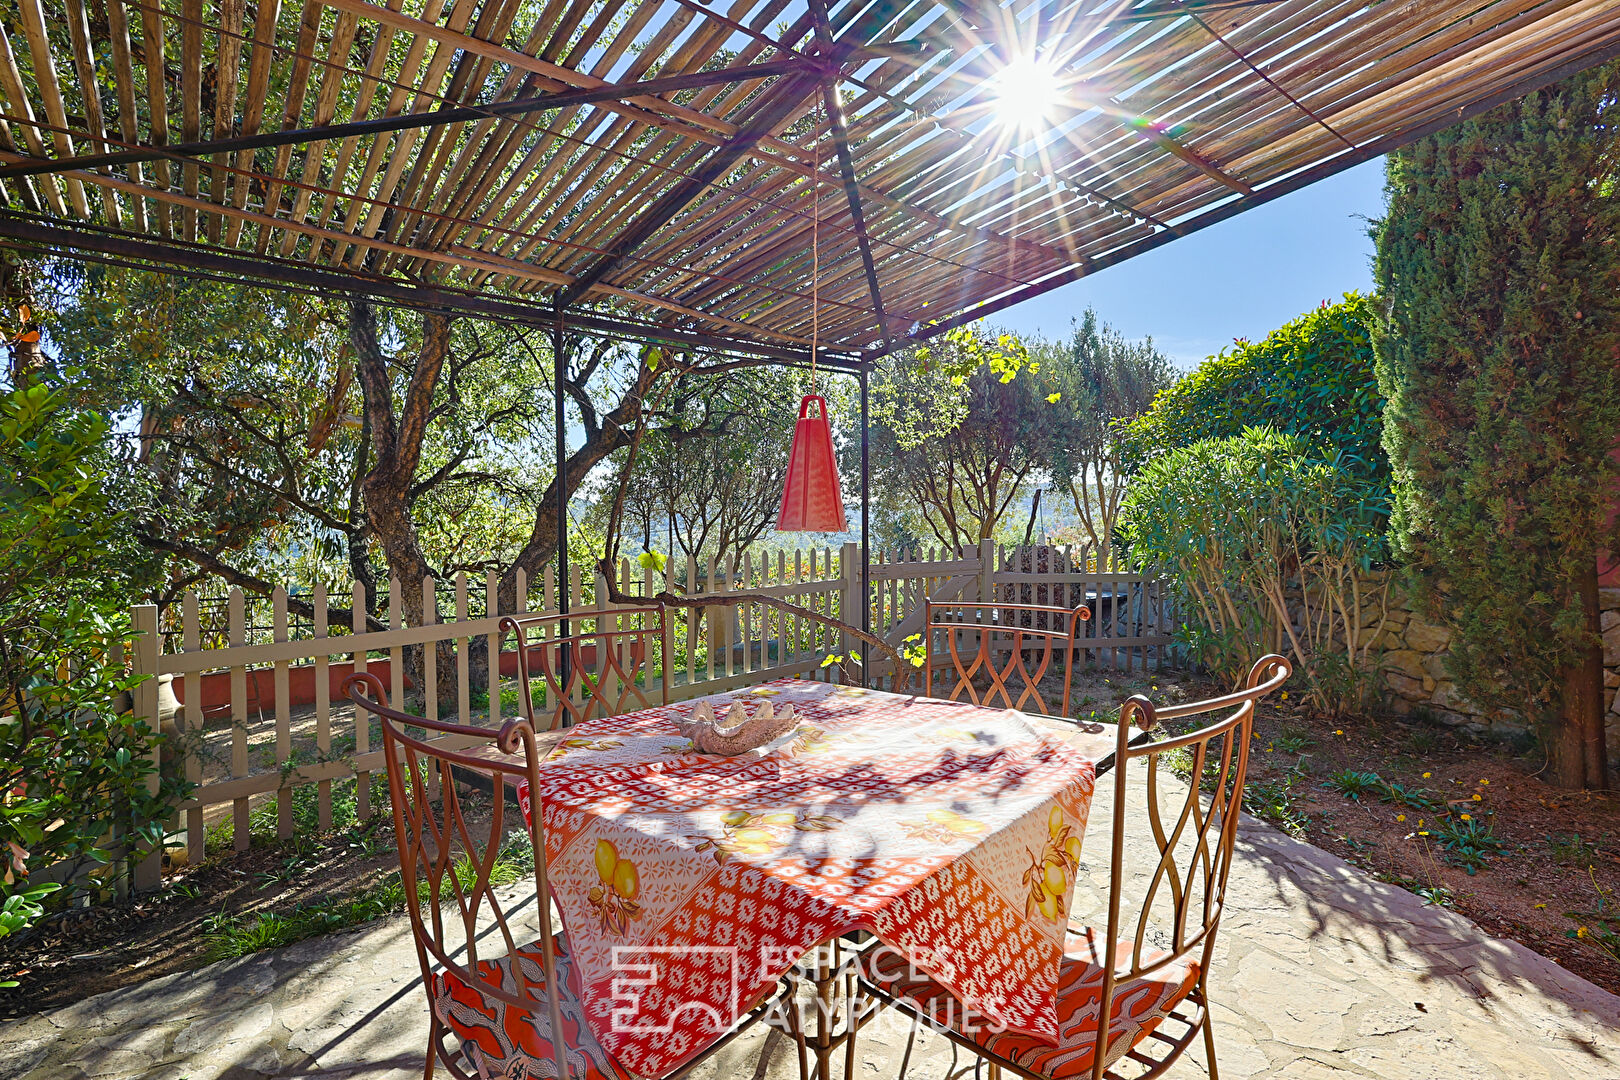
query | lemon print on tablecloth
[614, 900]
[590, 744]
[944, 826]
[745, 833]
[1052, 871]
[814, 740]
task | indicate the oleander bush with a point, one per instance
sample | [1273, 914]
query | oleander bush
[1271, 545]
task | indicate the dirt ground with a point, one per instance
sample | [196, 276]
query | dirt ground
[1554, 868]
[80, 954]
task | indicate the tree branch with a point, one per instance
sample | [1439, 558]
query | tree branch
[244, 580]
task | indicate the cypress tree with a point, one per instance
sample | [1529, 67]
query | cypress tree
[1499, 352]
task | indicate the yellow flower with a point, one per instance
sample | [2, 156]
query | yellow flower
[1468, 817]
[1339, 732]
[1285, 695]
[1581, 932]
[1485, 781]
[1540, 906]
[1476, 798]
[1423, 832]
[1400, 817]
[1427, 775]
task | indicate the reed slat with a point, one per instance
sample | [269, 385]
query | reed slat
[22, 107]
[84, 67]
[191, 78]
[50, 92]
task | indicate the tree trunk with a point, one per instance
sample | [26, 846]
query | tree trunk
[26, 361]
[396, 439]
[1577, 757]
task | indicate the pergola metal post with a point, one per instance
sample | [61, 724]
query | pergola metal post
[866, 493]
[559, 367]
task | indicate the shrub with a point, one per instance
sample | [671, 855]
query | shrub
[1269, 543]
[72, 767]
[1312, 378]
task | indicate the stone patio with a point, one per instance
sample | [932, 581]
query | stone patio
[1321, 973]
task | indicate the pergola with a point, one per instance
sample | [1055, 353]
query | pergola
[643, 168]
[660, 170]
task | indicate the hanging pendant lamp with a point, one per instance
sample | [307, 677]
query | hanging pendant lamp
[812, 498]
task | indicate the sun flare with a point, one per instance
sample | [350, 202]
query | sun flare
[1025, 91]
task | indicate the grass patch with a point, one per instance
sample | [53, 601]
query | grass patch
[1294, 741]
[1469, 843]
[262, 819]
[1354, 783]
[1422, 740]
[230, 937]
[1568, 849]
[1416, 798]
[1272, 800]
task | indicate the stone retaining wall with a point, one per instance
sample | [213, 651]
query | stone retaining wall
[1414, 663]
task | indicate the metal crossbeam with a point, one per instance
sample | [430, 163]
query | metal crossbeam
[448, 115]
[21, 232]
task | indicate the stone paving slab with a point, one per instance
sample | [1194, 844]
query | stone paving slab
[1321, 973]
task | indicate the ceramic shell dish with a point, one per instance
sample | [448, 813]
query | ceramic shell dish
[739, 732]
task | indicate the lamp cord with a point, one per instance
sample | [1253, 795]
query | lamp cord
[815, 244]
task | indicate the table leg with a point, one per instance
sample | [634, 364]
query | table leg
[839, 1010]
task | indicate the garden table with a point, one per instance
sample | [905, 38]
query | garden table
[689, 884]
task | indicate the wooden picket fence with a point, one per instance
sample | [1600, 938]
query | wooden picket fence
[259, 718]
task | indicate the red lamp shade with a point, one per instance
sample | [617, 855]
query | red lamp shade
[812, 501]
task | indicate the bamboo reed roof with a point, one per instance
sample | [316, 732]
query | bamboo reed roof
[646, 166]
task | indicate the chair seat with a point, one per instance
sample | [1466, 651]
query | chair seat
[505, 1042]
[1139, 1005]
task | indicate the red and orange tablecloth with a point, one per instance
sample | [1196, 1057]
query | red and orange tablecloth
[688, 884]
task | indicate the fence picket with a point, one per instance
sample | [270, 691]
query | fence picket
[492, 647]
[323, 712]
[430, 669]
[191, 636]
[284, 806]
[362, 724]
[240, 836]
[396, 655]
[463, 660]
[691, 622]
[147, 858]
[576, 602]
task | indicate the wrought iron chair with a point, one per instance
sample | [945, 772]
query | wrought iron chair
[602, 670]
[1154, 995]
[486, 991]
[1027, 634]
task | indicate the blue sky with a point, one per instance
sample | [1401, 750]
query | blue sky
[1241, 278]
